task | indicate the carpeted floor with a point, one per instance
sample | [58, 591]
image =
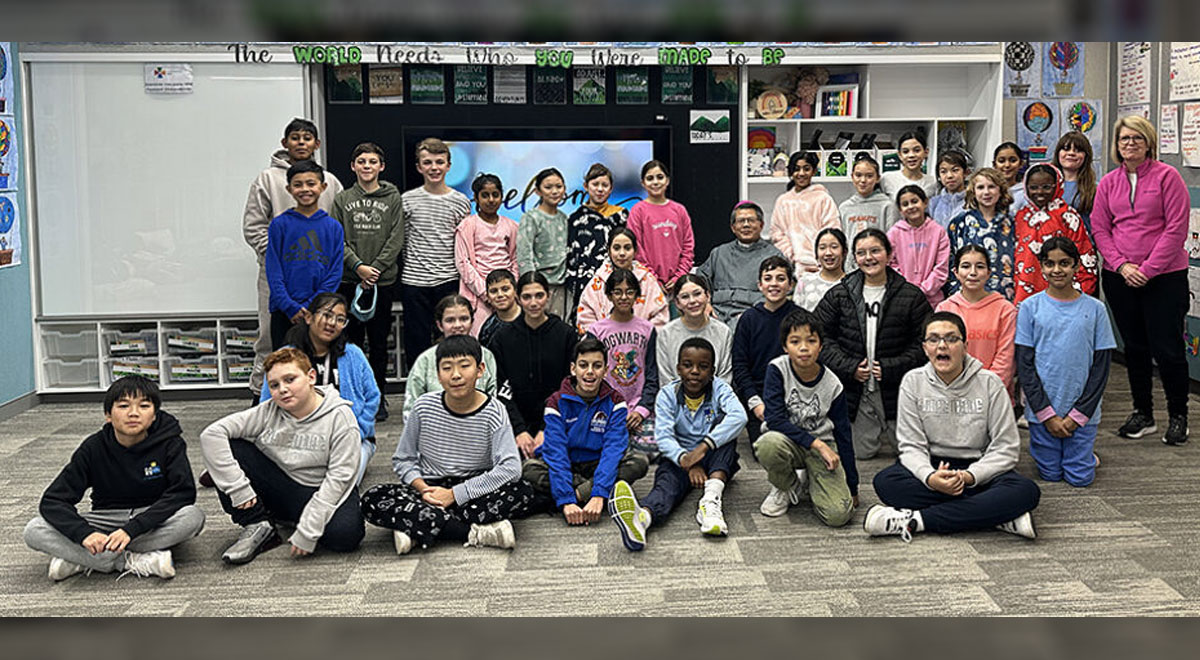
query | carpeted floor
[1127, 545]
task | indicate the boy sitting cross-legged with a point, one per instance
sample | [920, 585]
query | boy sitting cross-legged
[457, 461]
[587, 444]
[697, 422]
[809, 428]
[143, 496]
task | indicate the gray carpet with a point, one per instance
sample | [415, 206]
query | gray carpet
[1127, 545]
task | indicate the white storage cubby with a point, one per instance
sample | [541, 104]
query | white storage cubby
[83, 373]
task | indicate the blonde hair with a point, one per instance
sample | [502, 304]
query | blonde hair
[1141, 126]
[991, 174]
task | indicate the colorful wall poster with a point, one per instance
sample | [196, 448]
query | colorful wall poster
[1168, 129]
[428, 85]
[470, 84]
[1022, 70]
[7, 72]
[508, 85]
[1062, 68]
[677, 85]
[385, 84]
[10, 231]
[9, 164]
[590, 87]
[1185, 70]
[709, 126]
[549, 86]
[1133, 75]
[1037, 128]
[1085, 116]
[722, 88]
[633, 85]
[1189, 134]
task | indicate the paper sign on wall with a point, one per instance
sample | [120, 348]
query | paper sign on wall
[709, 126]
[385, 84]
[1192, 244]
[168, 78]
[1185, 70]
[1136, 110]
[1133, 79]
[1189, 135]
[508, 85]
[1193, 291]
[1168, 129]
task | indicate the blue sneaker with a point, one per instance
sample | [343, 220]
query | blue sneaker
[631, 519]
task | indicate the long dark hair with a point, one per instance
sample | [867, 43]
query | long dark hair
[299, 337]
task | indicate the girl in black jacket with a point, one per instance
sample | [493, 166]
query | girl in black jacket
[872, 321]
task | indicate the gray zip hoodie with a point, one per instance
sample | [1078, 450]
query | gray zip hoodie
[320, 451]
[269, 198]
[970, 418]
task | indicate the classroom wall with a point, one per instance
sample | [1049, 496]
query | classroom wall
[16, 332]
[1096, 76]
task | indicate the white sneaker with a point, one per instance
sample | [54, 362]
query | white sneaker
[61, 569]
[887, 521]
[777, 501]
[802, 489]
[1022, 422]
[710, 517]
[1022, 525]
[403, 542]
[496, 535]
[145, 564]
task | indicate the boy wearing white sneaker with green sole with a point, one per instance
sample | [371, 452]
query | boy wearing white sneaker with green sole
[143, 495]
[697, 422]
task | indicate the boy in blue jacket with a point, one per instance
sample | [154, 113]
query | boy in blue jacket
[697, 422]
[587, 445]
[305, 246]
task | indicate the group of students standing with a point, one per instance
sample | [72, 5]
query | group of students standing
[560, 374]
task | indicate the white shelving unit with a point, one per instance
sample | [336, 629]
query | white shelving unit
[897, 94]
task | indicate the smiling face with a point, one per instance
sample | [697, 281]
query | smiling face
[871, 257]
[912, 154]
[488, 199]
[692, 300]
[695, 369]
[291, 388]
[1059, 270]
[598, 190]
[306, 189]
[327, 323]
[1009, 163]
[455, 321]
[1132, 145]
[951, 176]
[588, 370]
[131, 417]
[865, 176]
[300, 145]
[972, 271]
[433, 167]
[1039, 188]
[987, 193]
[912, 208]
[457, 375]
[1071, 158]
[803, 346]
[946, 349]
[623, 297]
[775, 284]
[551, 190]
[655, 182]
[501, 295]
[830, 254]
[533, 300]
[747, 226]
[621, 252]
[366, 167]
[803, 175]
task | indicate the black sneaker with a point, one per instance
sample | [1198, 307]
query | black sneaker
[1137, 424]
[381, 415]
[1177, 433]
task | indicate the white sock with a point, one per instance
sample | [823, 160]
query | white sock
[713, 488]
[919, 520]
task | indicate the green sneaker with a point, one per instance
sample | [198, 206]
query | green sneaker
[630, 518]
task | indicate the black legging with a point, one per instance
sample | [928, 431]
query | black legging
[1151, 321]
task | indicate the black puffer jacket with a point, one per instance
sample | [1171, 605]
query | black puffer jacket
[530, 366]
[843, 318]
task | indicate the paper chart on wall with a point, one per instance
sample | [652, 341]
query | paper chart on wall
[1062, 68]
[1022, 70]
[1168, 129]
[10, 231]
[1085, 116]
[1133, 78]
[1193, 291]
[1185, 70]
[1189, 135]
[1037, 128]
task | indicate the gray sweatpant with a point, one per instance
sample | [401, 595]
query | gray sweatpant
[43, 537]
[262, 346]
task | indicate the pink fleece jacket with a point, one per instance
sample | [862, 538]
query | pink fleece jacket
[991, 332]
[796, 220]
[479, 248]
[922, 256]
[1149, 232]
[665, 240]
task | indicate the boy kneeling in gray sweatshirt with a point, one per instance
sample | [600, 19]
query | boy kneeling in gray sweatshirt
[292, 459]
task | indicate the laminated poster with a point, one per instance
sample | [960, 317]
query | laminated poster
[1189, 135]
[590, 87]
[10, 231]
[1022, 70]
[470, 84]
[722, 85]
[1185, 70]
[1062, 68]
[1133, 78]
[1037, 128]
[343, 84]
[677, 85]
[1168, 129]
[9, 165]
[508, 85]
[1192, 244]
[1193, 291]
[428, 86]
[709, 126]
[385, 84]
[549, 86]
[7, 71]
[633, 85]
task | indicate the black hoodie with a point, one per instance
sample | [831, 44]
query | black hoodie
[530, 365]
[153, 473]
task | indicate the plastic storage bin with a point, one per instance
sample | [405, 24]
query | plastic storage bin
[238, 340]
[238, 369]
[84, 373]
[134, 366]
[194, 340]
[61, 344]
[140, 342]
[198, 370]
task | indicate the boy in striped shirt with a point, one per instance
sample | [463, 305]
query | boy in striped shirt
[458, 464]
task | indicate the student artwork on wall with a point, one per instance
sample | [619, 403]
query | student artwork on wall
[1193, 291]
[677, 85]
[343, 84]
[1189, 134]
[589, 86]
[508, 85]
[385, 84]
[722, 85]
[10, 231]
[709, 126]
[470, 84]
[1022, 60]
[1037, 128]
[633, 85]
[1168, 129]
[428, 85]
[6, 79]
[1083, 115]
[8, 153]
[1062, 68]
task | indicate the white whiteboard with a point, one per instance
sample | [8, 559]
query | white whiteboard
[139, 196]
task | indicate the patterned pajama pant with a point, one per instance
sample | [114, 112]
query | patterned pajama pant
[399, 507]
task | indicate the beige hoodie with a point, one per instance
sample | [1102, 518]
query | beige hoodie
[269, 197]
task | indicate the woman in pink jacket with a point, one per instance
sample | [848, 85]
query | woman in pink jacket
[484, 242]
[801, 213]
[1140, 221]
[922, 247]
[595, 305]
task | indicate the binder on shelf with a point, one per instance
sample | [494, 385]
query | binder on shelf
[837, 101]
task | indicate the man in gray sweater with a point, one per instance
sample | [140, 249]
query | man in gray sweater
[958, 448]
[732, 268]
[291, 460]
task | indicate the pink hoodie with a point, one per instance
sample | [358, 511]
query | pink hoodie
[991, 332]
[922, 256]
[480, 248]
[797, 219]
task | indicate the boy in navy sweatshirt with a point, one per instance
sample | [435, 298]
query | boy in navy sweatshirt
[756, 339]
[586, 447]
[305, 248]
[143, 496]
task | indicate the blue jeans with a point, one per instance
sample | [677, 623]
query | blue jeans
[982, 507]
[671, 483]
[1067, 459]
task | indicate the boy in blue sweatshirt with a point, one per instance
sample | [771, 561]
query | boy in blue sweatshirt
[305, 247]
[808, 428]
[756, 339]
[697, 422]
[587, 445]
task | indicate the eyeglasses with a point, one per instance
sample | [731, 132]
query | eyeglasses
[339, 321]
[624, 293]
[746, 220]
[1131, 139]
[934, 340]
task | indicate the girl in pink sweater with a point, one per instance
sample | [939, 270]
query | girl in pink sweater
[484, 242]
[801, 213]
[922, 248]
[662, 227]
[991, 320]
[594, 303]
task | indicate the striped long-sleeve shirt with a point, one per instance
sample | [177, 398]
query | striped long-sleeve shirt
[439, 443]
[429, 224]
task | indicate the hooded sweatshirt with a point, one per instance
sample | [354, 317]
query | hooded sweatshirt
[579, 431]
[320, 451]
[946, 206]
[971, 418]
[755, 344]
[304, 258]
[922, 256]
[1035, 225]
[269, 197]
[530, 365]
[154, 473]
[373, 224]
[996, 236]
[732, 271]
[594, 304]
[876, 210]
[481, 247]
[991, 329]
[665, 240]
[796, 220]
[1145, 223]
